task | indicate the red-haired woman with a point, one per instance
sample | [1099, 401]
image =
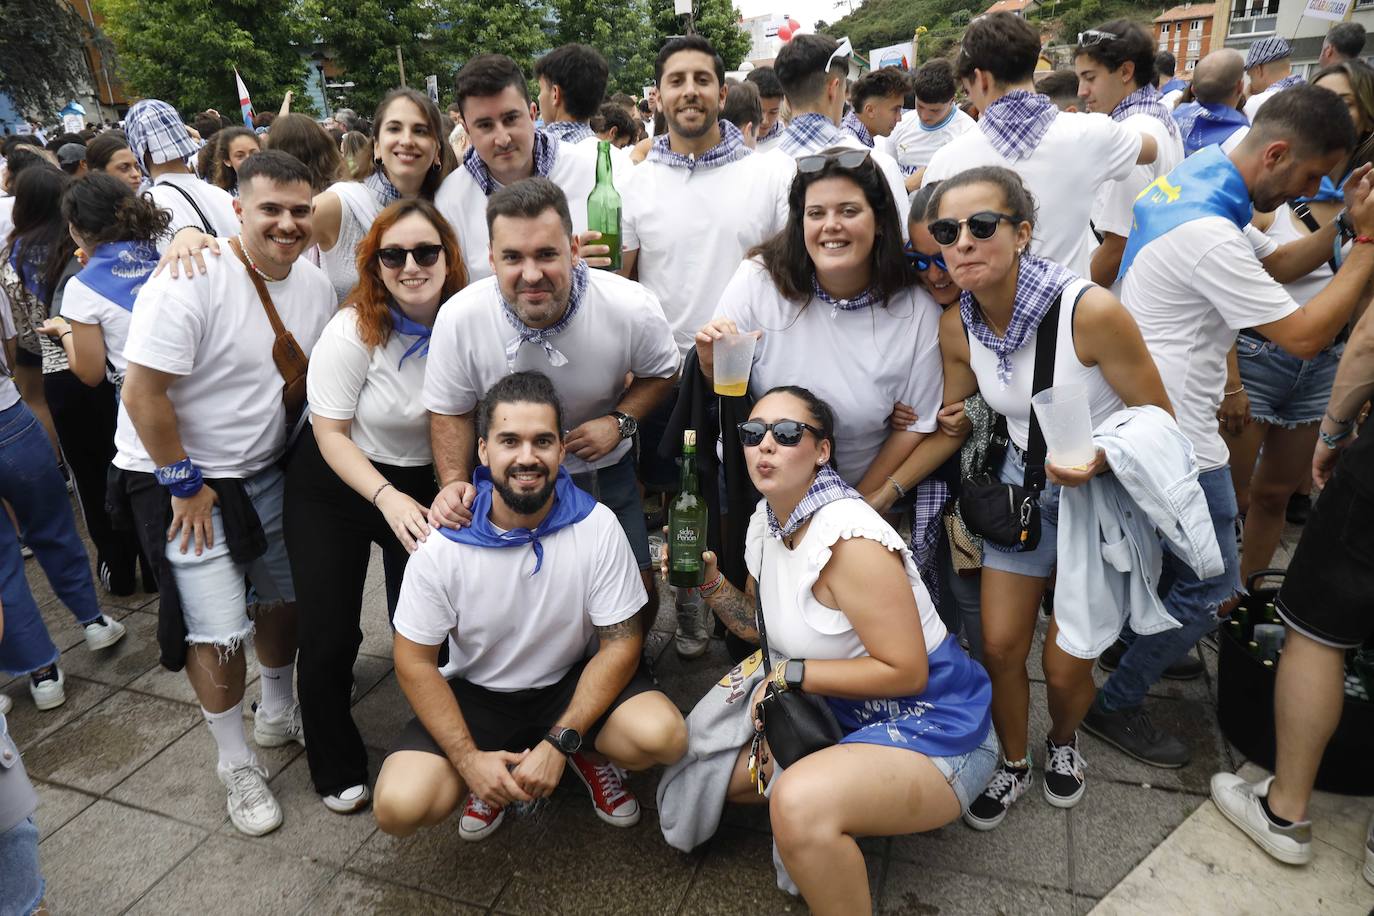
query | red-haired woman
[366, 475]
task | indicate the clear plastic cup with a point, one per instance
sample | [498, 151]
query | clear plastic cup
[733, 355]
[1066, 425]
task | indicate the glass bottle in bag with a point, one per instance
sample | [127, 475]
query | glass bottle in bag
[603, 205]
[687, 521]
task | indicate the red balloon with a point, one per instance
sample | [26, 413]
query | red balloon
[793, 25]
[785, 33]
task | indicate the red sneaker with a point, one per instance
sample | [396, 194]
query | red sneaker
[613, 803]
[479, 819]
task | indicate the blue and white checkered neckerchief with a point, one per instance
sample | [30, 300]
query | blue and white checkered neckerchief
[1288, 82]
[381, 187]
[525, 334]
[1017, 122]
[569, 131]
[851, 123]
[730, 149]
[1038, 285]
[545, 155]
[826, 488]
[774, 132]
[810, 133]
[1146, 101]
[866, 299]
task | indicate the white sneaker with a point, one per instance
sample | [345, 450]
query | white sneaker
[50, 692]
[276, 732]
[1240, 802]
[252, 807]
[354, 798]
[103, 633]
[6, 704]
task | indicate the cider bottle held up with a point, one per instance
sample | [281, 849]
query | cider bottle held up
[687, 522]
[603, 205]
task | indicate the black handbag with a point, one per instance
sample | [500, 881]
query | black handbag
[1004, 513]
[795, 723]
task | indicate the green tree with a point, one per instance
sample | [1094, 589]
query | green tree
[42, 58]
[185, 51]
[715, 20]
[619, 29]
[465, 28]
[363, 37]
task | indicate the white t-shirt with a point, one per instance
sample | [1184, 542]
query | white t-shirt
[1077, 155]
[9, 392]
[83, 304]
[350, 381]
[1190, 291]
[914, 145]
[693, 227]
[859, 362]
[510, 630]
[1256, 102]
[213, 332]
[463, 204]
[214, 202]
[1112, 209]
[619, 328]
[1170, 99]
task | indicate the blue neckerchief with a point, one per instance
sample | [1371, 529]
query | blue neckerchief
[1017, 122]
[810, 133]
[1172, 85]
[1327, 192]
[1203, 124]
[1038, 284]
[856, 127]
[1145, 100]
[1205, 184]
[400, 324]
[118, 270]
[570, 506]
[381, 187]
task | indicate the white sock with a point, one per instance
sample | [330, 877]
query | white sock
[227, 729]
[278, 691]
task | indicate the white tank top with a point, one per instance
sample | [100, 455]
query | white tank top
[1013, 401]
[1283, 230]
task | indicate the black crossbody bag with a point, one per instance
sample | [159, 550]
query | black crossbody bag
[1004, 513]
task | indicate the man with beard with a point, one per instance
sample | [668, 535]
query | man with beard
[587, 330]
[542, 574]
[504, 147]
[201, 432]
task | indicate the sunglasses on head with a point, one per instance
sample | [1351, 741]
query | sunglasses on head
[980, 225]
[846, 158]
[1095, 37]
[922, 261]
[785, 432]
[395, 258]
[844, 50]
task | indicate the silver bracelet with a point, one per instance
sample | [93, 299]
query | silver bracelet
[901, 493]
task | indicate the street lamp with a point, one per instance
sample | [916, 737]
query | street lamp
[318, 57]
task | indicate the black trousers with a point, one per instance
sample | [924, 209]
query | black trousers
[85, 421]
[330, 531]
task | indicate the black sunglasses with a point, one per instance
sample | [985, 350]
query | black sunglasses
[785, 432]
[980, 226]
[395, 258]
[922, 261]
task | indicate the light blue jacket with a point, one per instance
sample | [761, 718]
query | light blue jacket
[1112, 532]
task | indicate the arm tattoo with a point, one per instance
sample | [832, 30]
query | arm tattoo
[626, 629]
[736, 610]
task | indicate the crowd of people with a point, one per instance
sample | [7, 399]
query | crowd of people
[257, 354]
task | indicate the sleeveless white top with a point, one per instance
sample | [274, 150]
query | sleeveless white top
[1282, 230]
[1014, 401]
[356, 211]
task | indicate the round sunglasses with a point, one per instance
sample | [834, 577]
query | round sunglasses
[785, 432]
[922, 261]
[395, 258]
[980, 225]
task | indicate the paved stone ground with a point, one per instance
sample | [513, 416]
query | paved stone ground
[132, 816]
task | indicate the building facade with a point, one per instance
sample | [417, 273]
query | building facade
[1186, 32]
[1243, 22]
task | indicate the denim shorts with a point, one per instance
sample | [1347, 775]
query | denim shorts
[1038, 563]
[21, 883]
[969, 774]
[1284, 390]
[615, 487]
[213, 598]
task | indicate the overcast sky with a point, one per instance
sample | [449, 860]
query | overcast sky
[804, 11]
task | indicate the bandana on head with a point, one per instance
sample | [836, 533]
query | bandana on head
[545, 155]
[866, 299]
[1038, 285]
[1016, 123]
[730, 148]
[851, 123]
[826, 488]
[1146, 101]
[525, 334]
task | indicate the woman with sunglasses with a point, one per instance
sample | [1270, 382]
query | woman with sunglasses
[983, 220]
[832, 296]
[366, 476]
[847, 620]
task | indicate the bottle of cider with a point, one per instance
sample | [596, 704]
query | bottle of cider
[687, 521]
[603, 205]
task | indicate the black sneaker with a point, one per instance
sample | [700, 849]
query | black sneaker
[1132, 732]
[1064, 768]
[1007, 785]
[1299, 508]
[1185, 669]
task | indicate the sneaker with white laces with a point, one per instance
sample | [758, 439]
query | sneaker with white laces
[613, 803]
[252, 807]
[1007, 785]
[47, 686]
[479, 819]
[347, 801]
[694, 618]
[6, 704]
[1064, 768]
[103, 632]
[1240, 802]
[282, 730]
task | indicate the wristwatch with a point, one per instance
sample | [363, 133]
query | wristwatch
[567, 740]
[628, 424]
[794, 672]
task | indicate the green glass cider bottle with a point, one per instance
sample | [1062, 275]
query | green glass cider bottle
[603, 205]
[687, 521]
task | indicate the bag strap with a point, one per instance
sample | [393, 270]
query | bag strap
[1046, 343]
[758, 620]
[1304, 213]
[204, 223]
[277, 327]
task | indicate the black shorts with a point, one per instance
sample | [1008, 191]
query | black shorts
[517, 720]
[1328, 593]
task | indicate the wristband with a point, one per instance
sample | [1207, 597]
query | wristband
[1364, 240]
[1333, 440]
[183, 479]
[710, 588]
[379, 493]
[1227, 394]
[63, 334]
[1344, 424]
